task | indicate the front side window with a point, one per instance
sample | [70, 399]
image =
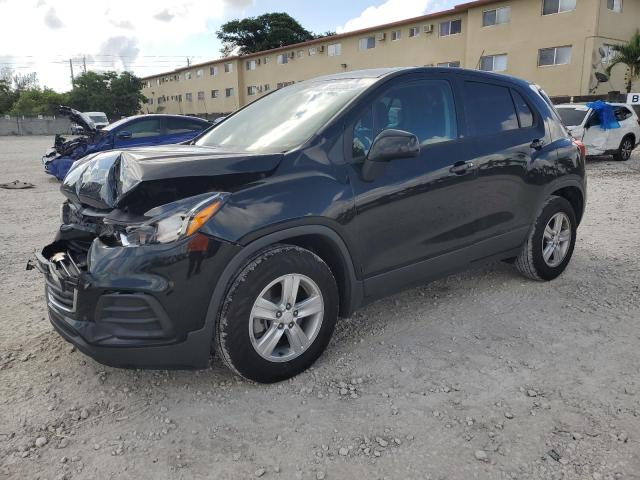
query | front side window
[183, 125]
[489, 108]
[549, 7]
[493, 63]
[144, 128]
[554, 56]
[367, 43]
[614, 5]
[424, 108]
[286, 118]
[496, 16]
[573, 116]
[335, 49]
[451, 27]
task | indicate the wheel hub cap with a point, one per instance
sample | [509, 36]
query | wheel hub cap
[556, 239]
[286, 318]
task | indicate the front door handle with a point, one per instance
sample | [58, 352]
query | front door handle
[461, 168]
[537, 144]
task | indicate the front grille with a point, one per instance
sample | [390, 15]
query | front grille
[61, 278]
[62, 298]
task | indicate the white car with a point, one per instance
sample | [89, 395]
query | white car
[584, 124]
[100, 120]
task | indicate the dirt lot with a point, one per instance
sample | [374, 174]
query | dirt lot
[481, 375]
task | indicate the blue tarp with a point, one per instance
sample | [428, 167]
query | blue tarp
[605, 114]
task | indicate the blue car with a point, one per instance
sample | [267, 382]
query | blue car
[135, 131]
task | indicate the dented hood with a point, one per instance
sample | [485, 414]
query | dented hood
[105, 180]
[80, 118]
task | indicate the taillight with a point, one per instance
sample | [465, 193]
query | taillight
[581, 147]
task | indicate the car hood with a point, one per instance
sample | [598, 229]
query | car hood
[106, 180]
[78, 117]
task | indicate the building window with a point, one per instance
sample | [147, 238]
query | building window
[228, 67]
[300, 53]
[282, 59]
[200, 95]
[215, 93]
[149, 101]
[252, 90]
[452, 27]
[228, 92]
[160, 100]
[614, 5]
[187, 76]
[496, 16]
[251, 64]
[284, 84]
[395, 35]
[549, 7]
[267, 60]
[493, 63]
[455, 64]
[199, 73]
[367, 43]
[554, 56]
[213, 71]
[335, 49]
[414, 31]
[188, 97]
[266, 87]
[313, 51]
[608, 53]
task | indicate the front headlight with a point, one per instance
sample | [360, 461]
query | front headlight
[173, 221]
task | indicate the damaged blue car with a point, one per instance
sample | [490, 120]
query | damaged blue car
[135, 131]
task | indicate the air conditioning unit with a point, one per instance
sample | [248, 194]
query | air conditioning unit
[381, 37]
[321, 49]
[292, 54]
[428, 28]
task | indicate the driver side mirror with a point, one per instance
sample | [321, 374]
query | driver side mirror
[124, 135]
[389, 145]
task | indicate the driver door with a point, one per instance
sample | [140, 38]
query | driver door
[139, 132]
[418, 208]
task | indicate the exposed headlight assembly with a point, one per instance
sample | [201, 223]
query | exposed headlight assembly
[173, 221]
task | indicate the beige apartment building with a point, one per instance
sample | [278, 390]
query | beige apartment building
[558, 44]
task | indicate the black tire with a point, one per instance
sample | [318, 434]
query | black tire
[531, 262]
[232, 339]
[627, 145]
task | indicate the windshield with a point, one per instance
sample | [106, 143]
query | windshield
[286, 118]
[572, 116]
[99, 118]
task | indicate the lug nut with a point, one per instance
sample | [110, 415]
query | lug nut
[288, 306]
[280, 326]
[291, 325]
[295, 313]
[278, 314]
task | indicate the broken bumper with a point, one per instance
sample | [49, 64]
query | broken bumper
[56, 165]
[135, 307]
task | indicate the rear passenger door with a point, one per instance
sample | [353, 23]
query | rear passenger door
[508, 139]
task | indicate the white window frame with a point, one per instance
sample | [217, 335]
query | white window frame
[396, 35]
[414, 32]
[449, 22]
[282, 59]
[228, 67]
[199, 73]
[506, 9]
[493, 62]
[312, 51]
[367, 43]
[560, 7]
[215, 93]
[616, 6]
[251, 64]
[555, 56]
[228, 92]
[213, 70]
[334, 50]
[252, 90]
[610, 52]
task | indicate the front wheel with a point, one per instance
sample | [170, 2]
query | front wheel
[278, 315]
[549, 247]
[624, 150]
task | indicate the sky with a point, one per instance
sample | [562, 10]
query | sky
[149, 37]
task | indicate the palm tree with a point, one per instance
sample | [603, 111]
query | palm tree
[628, 54]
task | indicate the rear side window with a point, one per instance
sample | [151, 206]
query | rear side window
[622, 113]
[525, 116]
[183, 125]
[489, 109]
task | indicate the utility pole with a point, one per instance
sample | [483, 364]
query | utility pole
[188, 62]
[73, 81]
[84, 64]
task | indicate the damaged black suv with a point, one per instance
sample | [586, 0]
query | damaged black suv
[305, 205]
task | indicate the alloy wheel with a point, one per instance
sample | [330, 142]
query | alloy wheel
[286, 317]
[556, 239]
[626, 149]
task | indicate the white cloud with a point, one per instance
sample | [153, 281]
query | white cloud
[40, 35]
[393, 11]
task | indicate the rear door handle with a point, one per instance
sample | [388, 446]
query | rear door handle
[460, 168]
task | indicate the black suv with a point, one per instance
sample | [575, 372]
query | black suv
[303, 206]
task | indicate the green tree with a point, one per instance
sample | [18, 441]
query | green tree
[35, 101]
[254, 34]
[116, 95]
[7, 96]
[629, 55]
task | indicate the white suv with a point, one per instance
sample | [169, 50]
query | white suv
[584, 125]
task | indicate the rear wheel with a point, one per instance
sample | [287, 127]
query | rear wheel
[278, 315]
[624, 150]
[548, 249]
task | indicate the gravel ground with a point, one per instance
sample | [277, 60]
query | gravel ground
[480, 375]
